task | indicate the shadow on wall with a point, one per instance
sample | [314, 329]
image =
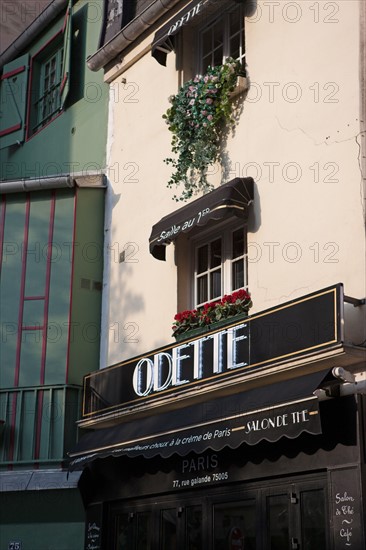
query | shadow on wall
[123, 330]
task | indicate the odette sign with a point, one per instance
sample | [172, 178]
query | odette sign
[309, 324]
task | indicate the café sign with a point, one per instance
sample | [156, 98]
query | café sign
[309, 324]
[195, 360]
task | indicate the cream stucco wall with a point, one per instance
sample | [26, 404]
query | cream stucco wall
[299, 138]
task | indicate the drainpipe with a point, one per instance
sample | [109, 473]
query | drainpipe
[36, 184]
[77, 179]
[129, 33]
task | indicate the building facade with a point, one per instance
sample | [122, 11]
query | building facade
[52, 148]
[250, 435]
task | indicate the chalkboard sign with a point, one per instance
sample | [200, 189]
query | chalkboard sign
[93, 528]
[346, 509]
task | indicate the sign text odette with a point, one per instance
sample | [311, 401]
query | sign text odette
[191, 361]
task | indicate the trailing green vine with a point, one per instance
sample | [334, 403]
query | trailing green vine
[198, 117]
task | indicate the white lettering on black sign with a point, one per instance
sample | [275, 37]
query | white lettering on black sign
[163, 370]
[345, 510]
[277, 421]
[186, 18]
[92, 536]
[188, 224]
[198, 471]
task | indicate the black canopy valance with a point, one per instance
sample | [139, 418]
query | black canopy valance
[164, 39]
[230, 199]
[283, 409]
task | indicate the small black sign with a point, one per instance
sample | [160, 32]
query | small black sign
[346, 509]
[93, 528]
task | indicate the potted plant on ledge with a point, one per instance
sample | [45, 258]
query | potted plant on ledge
[198, 118]
[212, 315]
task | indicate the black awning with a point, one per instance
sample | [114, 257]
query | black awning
[230, 199]
[283, 409]
[164, 39]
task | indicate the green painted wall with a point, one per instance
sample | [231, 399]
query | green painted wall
[35, 286]
[75, 141]
[87, 284]
[42, 520]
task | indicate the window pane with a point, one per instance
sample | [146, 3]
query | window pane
[143, 535]
[202, 260]
[278, 522]
[235, 46]
[218, 35]
[235, 22]
[216, 256]
[313, 519]
[218, 57]
[202, 289]
[206, 42]
[212, 48]
[194, 528]
[237, 274]
[238, 243]
[168, 529]
[124, 533]
[30, 357]
[234, 526]
[215, 284]
[206, 62]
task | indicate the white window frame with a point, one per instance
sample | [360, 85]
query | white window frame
[225, 233]
[49, 98]
[224, 19]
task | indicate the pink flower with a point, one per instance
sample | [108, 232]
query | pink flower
[209, 101]
[191, 102]
[210, 117]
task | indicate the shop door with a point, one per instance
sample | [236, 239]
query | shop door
[162, 525]
[291, 516]
[295, 517]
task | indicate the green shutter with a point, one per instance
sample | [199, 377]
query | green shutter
[66, 61]
[13, 101]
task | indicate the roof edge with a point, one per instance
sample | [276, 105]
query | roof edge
[31, 32]
[129, 33]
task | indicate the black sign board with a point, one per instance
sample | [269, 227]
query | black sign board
[309, 324]
[346, 508]
[93, 528]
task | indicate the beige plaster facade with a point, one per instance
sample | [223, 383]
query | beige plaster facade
[299, 135]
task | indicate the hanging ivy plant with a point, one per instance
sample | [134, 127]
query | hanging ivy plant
[198, 117]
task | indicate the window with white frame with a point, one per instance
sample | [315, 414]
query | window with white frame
[50, 77]
[221, 38]
[220, 264]
[48, 100]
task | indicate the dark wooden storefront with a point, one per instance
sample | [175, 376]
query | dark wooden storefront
[274, 462]
[302, 494]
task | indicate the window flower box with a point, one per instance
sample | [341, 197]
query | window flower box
[241, 86]
[204, 330]
[212, 315]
